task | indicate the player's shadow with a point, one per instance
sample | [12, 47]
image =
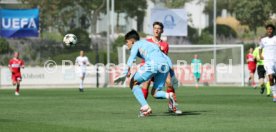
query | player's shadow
[184, 113]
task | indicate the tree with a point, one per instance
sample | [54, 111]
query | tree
[173, 3]
[93, 8]
[229, 5]
[132, 9]
[4, 46]
[53, 13]
[253, 13]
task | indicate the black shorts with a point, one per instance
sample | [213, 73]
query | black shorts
[261, 71]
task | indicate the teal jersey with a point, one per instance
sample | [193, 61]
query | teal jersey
[196, 65]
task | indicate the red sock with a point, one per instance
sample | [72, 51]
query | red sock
[170, 90]
[145, 92]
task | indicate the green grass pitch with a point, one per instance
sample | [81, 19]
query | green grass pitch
[207, 109]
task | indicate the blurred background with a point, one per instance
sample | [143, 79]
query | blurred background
[100, 26]
[238, 22]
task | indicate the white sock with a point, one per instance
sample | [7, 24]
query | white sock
[273, 89]
[81, 84]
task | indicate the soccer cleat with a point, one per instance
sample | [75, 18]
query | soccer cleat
[145, 111]
[178, 112]
[81, 90]
[174, 109]
[262, 90]
[141, 114]
[171, 99]
[16, 94]
[173, 105]
[170, 107]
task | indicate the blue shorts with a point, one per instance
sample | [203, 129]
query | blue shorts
[159, 73]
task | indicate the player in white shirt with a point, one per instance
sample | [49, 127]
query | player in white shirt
[268, 44]
[82, 61]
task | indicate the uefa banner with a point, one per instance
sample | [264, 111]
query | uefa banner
[175, 21]
[19, 23]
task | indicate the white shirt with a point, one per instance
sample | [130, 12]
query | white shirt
[269, 48]
[82, 61]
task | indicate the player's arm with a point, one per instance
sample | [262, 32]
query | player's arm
[261, 50]
[166, 49]
[131, 59]
[171, 71]
[260, 54]
[10, 63]
[126, 73]
[77, 62]
[87, 61]
[192, 65]
[247, 59]
[255, 54]
[22, 65]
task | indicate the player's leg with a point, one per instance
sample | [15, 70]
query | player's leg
[273, 86]
[13, 78]
[252, 71]
[253, 80]
[139, 77]
[270, 69]
[82, 76]
[159, 82]
[170, 89]
[145, 88]
[197, 78]
[169, 85]
[268, 89]
[250, 77]
[18, 80]
[261, 75]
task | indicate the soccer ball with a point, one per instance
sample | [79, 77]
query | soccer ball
[70, 40]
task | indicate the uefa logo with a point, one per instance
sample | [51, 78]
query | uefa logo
[169, 22]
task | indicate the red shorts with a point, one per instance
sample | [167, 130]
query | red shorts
[16, 77]
[252, 69]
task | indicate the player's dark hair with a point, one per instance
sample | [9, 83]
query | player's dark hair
[159, 24]
[132, 35]
[270, 25]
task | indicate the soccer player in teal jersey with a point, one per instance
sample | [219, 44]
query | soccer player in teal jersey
[157, 65]
[196, 69]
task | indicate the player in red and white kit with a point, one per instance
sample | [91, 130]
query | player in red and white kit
[15, 64]
[251, 66]
[164, 46]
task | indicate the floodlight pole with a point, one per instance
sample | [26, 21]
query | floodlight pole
[108, 31]
[108, 38]
[97, 67]
[215, 39]
[112, 19]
